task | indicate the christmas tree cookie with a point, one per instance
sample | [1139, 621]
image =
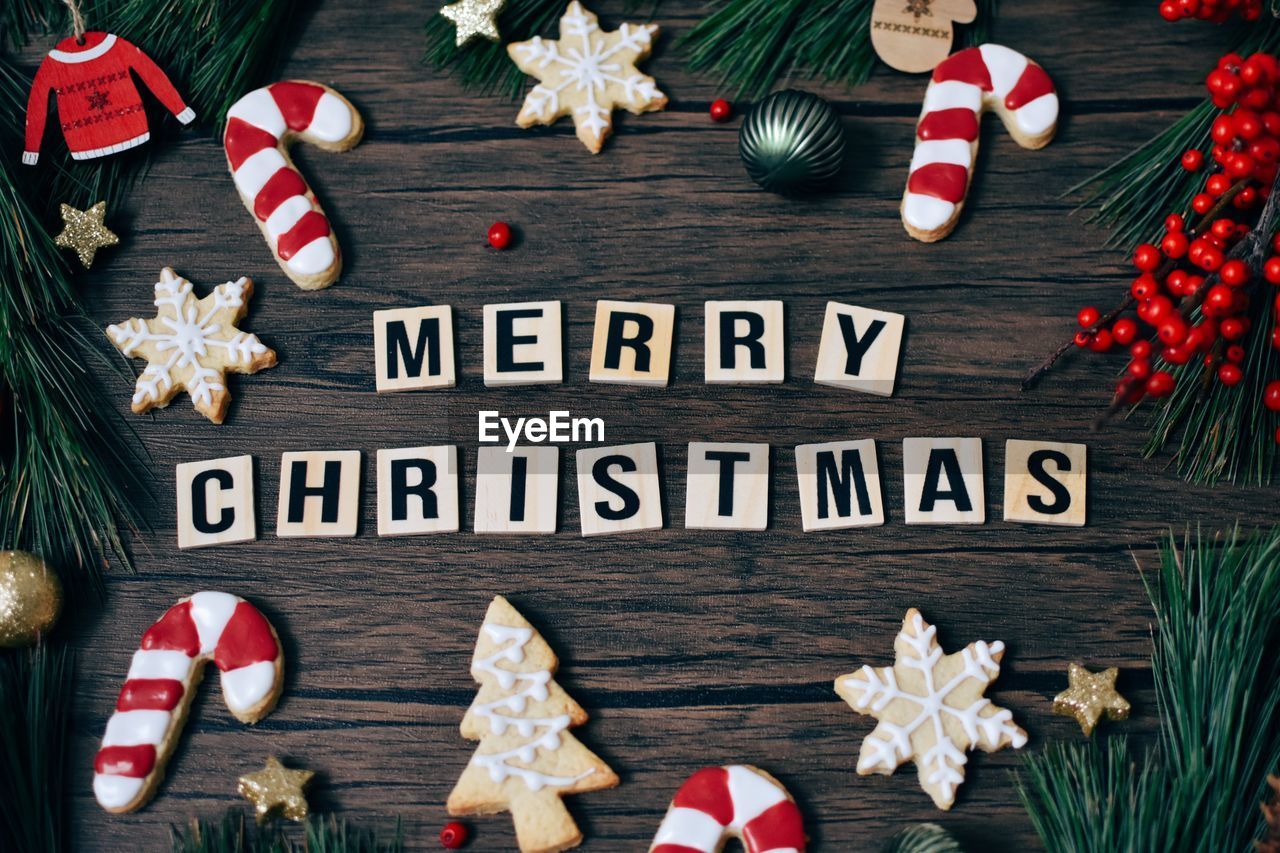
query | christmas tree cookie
[527, 759]
[931, 708]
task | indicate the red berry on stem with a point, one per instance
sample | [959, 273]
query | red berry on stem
[721, 110]
[1101, 341]
[454, 835]
[499, 235]
[1172, 331]
[1271, 395]
[1234, 273]
[1174, 244]
[1087, 316]
[1233, 328]
[1139, 368]
[1140, 349]
[1217, 185]
[1271, 270]
[1082, 339]
[1192, 160]
[1124, 330]
[1235, 353]
[1202, 203]
[1219, 300]
[1144, 286]
[1146, 257]
[1275, 338]
[1230, 374]
[1160, 384]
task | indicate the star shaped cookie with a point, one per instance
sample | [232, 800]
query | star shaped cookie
[1089, 695]
[276, 787]
[474, 18]
[587, 74]
[931, 708]
[192, 344]
[85, 232]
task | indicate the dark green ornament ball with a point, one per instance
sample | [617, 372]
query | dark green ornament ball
[792, 142]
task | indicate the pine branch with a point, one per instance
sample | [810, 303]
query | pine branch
[923, 838]
[483, 65]
[35, 710]
[230, 834]
[1217, 677]
[752, 44]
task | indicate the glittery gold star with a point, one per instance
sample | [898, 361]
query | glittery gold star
[1089, 695]
[474, 18]
[84, 231]
[276, 787]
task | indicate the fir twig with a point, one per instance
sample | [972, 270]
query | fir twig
[923, 838]
[483, 65]
[230, 834]
[1217, 677]
[35, 704]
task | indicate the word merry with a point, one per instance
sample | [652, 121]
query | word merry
[631, 345]
[727, 487]
[559, 427]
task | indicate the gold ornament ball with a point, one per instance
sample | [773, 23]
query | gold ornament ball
[30, 598]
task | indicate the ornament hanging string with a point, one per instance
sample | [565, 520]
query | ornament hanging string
[77, 20]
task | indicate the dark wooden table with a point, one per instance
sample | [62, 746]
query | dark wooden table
[687, 647]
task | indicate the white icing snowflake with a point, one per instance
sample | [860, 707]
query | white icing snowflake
[930, 708]
[192, 344]
[586, 74]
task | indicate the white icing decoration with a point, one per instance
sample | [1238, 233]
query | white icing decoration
[188, 336]
[689, 828]
[1038, 116]
[287, 215]
[247, 686]
[156, 664]
[890, 744]
[259, 109]
[958, 152]
[1005, 66]
[114, 792]
[131, 728]
[332, 119]
[952, 95]
[586, 68]
[926, 212]
[751, 794]
[258, 168]
[534, 687]
[211, 611]
[313, 258]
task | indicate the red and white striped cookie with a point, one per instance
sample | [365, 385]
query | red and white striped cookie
[737, 801]
[260, 127]
[157, 693]
[964, 86]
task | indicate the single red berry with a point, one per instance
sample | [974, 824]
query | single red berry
[1223, 228]
[1169, 11]
[1230, 374]
[1158, 307]
[499, 238]
[1277, 435]
[1144, 286]
[1217, 185]
[1174, 222]
[1174, 244]
[1275, 338]
[1124, 331]
[1210, 259]
[1139, 368]
[1176, 355]
[1219, 300]
[1233, 328]
[1235, 353]
[1102, 341]
[1202, 203]
[1160, 384]
[454, 835]
[1271, 270]
[1087, 316]
[1192, 160]
[1192, 284]
[1271, 395]
[1223, 131]
[1140, 349]
[1172, 331]
[1082, 339]
[721, 110]
[1234, 273]
[1146, 257]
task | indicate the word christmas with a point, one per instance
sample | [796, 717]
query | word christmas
[631, 345]
[619, 490]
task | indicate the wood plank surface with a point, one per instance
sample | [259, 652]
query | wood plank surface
[691, 647]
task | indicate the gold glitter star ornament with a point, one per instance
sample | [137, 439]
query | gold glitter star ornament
[474, 18]
[84, 232]
[587, 74]
[1089, 695]
[276, 788]
[192, 344]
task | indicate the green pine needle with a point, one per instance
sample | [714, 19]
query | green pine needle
[923, 838]
[752, 44]
[231, 835]
[1217, 677]
[483, 65]
[35, 703]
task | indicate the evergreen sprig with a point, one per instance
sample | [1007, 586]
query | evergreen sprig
[1217, 678]
[230, 834]
[35, 712]
[923, 838]
[481, 64]
[752, 44]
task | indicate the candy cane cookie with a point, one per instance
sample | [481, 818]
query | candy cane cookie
[964, 86]
[260, 128]
[157, 693]
[737, 801]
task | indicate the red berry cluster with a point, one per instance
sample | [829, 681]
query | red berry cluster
[1192, 299]
[1210, 10]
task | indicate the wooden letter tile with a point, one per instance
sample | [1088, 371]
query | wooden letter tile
[632, 343]
[522, 344]
[517, 492]
[839, 485]
[942, 481]
[319, 493]
[418, 490]
[1044, 482]
[744, 342]
[728, 486]
[618, 489]
[859, 349]
[215, 502]
[413, 348]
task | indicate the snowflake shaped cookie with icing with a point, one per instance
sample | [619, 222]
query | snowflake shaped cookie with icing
[931, 708]
[587, 74]
[192, 344]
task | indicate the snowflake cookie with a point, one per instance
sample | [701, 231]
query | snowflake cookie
[192, 344]
[931, 708]
[586, 74]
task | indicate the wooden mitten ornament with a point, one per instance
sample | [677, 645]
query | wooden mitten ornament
[915, 35]
[527, 759]
[99, 106]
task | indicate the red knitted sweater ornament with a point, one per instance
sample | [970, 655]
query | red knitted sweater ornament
[99, 106]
